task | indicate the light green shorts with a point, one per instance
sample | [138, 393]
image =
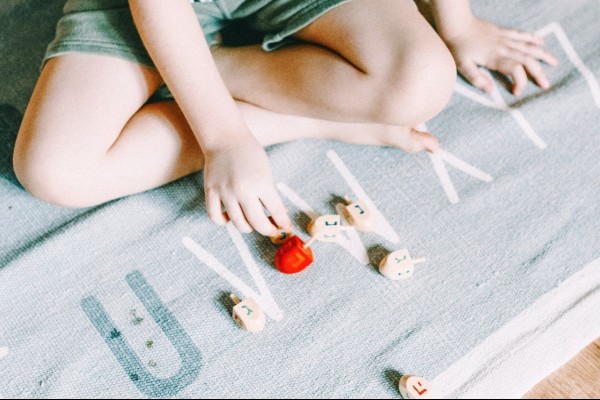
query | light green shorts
[107, 27]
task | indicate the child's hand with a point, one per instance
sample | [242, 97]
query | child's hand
[239, 176]
[516, 54]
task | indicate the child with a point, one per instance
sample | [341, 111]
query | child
[359, 71]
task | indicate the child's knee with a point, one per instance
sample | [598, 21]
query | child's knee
[437, 80]
[51, 177]
[418, 85]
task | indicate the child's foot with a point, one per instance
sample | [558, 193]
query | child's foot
[410, 140]
[271, 128]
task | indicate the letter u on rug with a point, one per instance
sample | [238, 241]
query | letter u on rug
[191, 358]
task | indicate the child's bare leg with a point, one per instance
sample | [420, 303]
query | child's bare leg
[88, 138]
[364, 62]
[270, 128]
[80, 113]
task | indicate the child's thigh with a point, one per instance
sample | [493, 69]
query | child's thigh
[81, 104]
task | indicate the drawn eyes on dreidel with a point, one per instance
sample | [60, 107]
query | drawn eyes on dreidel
[325, 228]
[399, 265]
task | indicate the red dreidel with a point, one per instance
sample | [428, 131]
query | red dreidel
[294, 256]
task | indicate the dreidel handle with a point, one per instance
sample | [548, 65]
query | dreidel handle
[235, 299]
[310, 242]
[347, 200]
[419, 260]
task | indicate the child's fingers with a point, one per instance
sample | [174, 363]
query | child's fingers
[236, 215]
[522, 36]
[537, 52]
[255, 215]
[519, 77]
[471, 72]
[516, 71]
[533, 67]
[213, 208]
[273, 203]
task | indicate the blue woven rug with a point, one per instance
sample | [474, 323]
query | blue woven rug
[131, 299]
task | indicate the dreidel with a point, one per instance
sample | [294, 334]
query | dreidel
[414, 387]
[325, 228]
[359, 215]
[284, 234]
[294, 256]
[399, 265]
[248, 315]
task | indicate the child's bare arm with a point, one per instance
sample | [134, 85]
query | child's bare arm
[237, 171]
[474, 42]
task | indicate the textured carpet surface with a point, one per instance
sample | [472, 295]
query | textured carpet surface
[131, 298]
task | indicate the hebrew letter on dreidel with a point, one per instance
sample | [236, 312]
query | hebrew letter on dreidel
[248, 315]
[359, 215]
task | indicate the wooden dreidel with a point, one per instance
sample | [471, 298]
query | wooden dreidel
[399, 265]
[248, 315]
[414, 387]
[283, 236]
[325, 228]
[359, 215]
[294, 256]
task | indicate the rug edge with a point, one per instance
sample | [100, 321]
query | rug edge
[511, 361]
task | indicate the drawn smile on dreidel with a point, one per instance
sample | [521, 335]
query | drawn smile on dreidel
[399, 265]
[325, 228]
[414, 387]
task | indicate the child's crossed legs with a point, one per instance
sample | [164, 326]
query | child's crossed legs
[88, 137]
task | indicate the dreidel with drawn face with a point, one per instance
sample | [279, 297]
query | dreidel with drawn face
[325, 228]
[414, 387]
[399, 265]
[248, 315]
[359, 215]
